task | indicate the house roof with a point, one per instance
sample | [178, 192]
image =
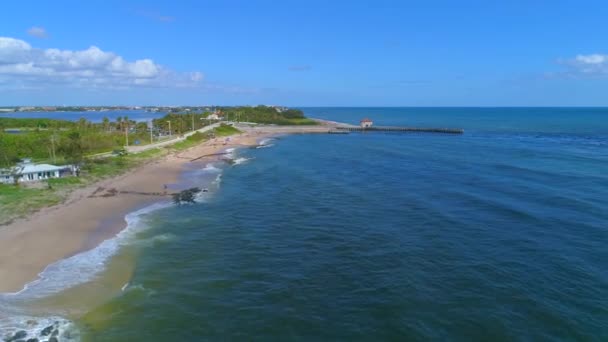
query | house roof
[31, 168]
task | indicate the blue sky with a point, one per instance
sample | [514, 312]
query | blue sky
[305, 53]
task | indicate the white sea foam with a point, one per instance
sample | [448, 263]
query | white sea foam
[154, 240]
[211, 168]
[265, 143]
[229, 153]
[238, 161]
[138, 288]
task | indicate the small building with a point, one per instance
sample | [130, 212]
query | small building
[216, 115]
[30, 172]
[366, 123]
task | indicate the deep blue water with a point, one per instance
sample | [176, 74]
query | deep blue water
[496, 235]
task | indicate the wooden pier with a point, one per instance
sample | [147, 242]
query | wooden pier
[345, 129]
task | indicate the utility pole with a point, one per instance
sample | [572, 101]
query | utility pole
[151, 129]
[127, 133]
[170, 132]
[192, 116]
[53, 148]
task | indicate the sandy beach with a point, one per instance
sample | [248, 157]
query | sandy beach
[82, 222]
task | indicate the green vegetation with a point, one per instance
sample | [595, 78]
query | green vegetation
[266, 115]
[181, 123]
[190, 141]
[35, 123]
[16, 201]
[225, 130]
[60, 141]
[193, 140]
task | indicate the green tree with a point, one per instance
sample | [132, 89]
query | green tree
[105, 124]
[73, 148]
[119, 123]
[82, 123]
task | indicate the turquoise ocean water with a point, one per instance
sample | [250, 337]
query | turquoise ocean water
[496, 235]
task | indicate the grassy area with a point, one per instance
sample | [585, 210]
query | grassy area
[96, 169]
[17, 201]
[197, 138]
[225, 130]
[190, 141]
[302, 121]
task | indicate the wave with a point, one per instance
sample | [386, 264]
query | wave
[229, 153]
[265, 143]
[155, 240]
[129, 288]
[217, 180]
[241, 160]
[211, 168]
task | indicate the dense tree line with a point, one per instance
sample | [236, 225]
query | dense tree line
[34, 123]
[265, 114]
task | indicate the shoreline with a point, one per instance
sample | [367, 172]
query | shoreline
[82, 223]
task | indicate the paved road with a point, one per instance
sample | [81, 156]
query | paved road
[138, 149]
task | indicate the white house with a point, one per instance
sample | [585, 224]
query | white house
[216, 115]
[366, 123]
[30, 172]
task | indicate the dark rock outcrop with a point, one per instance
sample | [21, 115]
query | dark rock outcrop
[47, 331]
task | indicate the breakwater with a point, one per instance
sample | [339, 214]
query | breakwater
[397, 129]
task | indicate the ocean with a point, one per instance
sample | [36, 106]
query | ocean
[498, 234]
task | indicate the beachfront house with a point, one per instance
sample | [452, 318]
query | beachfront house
[366, 123]
[26, 171]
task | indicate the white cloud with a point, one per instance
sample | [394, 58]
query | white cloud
[587, 65]
[25, 65]
[38, 32]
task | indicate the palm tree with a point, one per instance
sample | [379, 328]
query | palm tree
[106, 123]
[126, 122]
[119, 123]
[82, 123]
